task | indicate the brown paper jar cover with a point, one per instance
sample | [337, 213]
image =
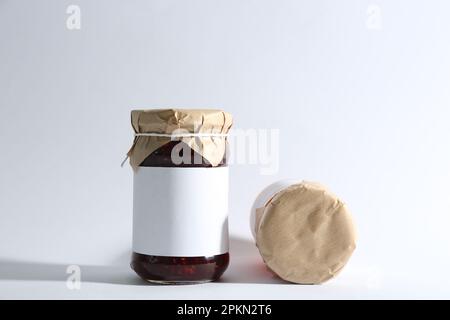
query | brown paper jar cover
[169, 121]
[305, 234]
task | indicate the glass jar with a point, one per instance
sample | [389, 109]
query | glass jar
[304, 233]
[180, 225]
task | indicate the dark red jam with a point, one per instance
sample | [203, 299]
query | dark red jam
[178, 270]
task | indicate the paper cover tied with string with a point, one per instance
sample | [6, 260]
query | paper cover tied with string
[203, 130]
[304, 233]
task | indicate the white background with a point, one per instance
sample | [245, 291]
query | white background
[363, 110]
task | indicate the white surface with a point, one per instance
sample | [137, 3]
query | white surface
[246, 278]
[180, 212]
[362, 107]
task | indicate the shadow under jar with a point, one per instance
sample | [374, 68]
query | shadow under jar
[180, 225]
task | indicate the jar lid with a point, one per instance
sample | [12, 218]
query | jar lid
[157, 127]
[305, 234]
[189, 120]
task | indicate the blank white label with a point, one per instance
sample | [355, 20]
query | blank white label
[180, 212]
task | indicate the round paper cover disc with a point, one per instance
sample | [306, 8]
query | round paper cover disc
[306, 234]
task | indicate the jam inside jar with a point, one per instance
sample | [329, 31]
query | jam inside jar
[178, 269]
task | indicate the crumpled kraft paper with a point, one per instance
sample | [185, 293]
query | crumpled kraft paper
[305, 234]
[168, 121]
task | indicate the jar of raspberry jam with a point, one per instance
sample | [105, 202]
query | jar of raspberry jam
[180, 195]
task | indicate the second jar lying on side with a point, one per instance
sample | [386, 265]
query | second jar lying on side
[180, 195]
